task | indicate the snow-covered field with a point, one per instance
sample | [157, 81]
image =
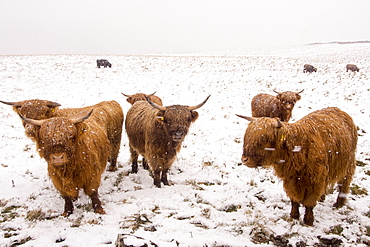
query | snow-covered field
[215, 201]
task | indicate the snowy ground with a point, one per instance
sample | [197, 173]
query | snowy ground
[215, 201]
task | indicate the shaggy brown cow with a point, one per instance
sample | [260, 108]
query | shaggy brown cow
[309, 68]
[156, 133]
[76, 150]
[281, 105]
[140, 96]
[310, 155]
[352, 67]
[108, 113]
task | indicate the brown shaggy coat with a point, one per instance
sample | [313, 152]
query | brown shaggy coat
[309, 156]
[141, 97]
[309, 68]
[108, 114]
[352, 67]
[280, 106]
[156, 133]
[76, 151]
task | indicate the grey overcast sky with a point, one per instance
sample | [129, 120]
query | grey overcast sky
[175, 26]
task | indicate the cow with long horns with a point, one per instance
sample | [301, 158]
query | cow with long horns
[76, 150]
[141, 97]
[108, 113]
[156, 133]
[280, 106]
[310, 155]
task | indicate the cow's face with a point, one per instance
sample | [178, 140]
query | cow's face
[260, 141]
[57, 138]
[176, 120]
[288, 99]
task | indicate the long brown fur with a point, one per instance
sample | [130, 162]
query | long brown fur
[108, 114]
[280, 106]
[157, 135]
[84, 148]
[310, 155]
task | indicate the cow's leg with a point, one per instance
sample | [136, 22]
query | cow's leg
[308, 217]
[68, 206]
[157, 178]
[145, 164]
[294, 213]
[96, 203]
[134, 157]
[164, 177]
[112, 164]
[343, 190]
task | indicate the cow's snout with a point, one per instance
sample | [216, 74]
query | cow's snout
[244, 159]
[247, 161]
[58, 159]
[289, 106]
[178, 136]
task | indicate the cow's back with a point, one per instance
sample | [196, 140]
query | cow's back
[139, 119]
[264, 105]
[334, 131]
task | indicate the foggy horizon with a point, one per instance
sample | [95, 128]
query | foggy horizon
[166, 27]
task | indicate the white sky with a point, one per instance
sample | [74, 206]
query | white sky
[175, 26]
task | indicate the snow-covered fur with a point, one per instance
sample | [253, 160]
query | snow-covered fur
[157, 132]
[280, 106]
[309, 156]
[108, 114]
[76, 151]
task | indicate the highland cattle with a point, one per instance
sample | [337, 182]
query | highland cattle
[156, 133]
[76, 150]
[141, 97]
[280, 106]
[310, 155]
[108, 114]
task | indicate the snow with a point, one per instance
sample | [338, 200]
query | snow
[214, 200]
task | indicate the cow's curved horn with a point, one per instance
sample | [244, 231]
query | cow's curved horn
[161, 108]
[200, 105]
[53, 104]
[276, 92]
[251, 119]
[152, 93]
[11, 103]
[128, 96]
[300, 91]
[32, 121]
[78, 120]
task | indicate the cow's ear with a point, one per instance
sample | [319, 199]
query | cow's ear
[298, 96]
[278, 96]
[159, 117]
[194, 116]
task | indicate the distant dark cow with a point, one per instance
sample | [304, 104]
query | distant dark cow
[76, 150]
[141, 97]
[309, 68]
[352, 67]
[103, 62]
[310, 155]
[156, 133]
[108, 113]
[281, 105]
